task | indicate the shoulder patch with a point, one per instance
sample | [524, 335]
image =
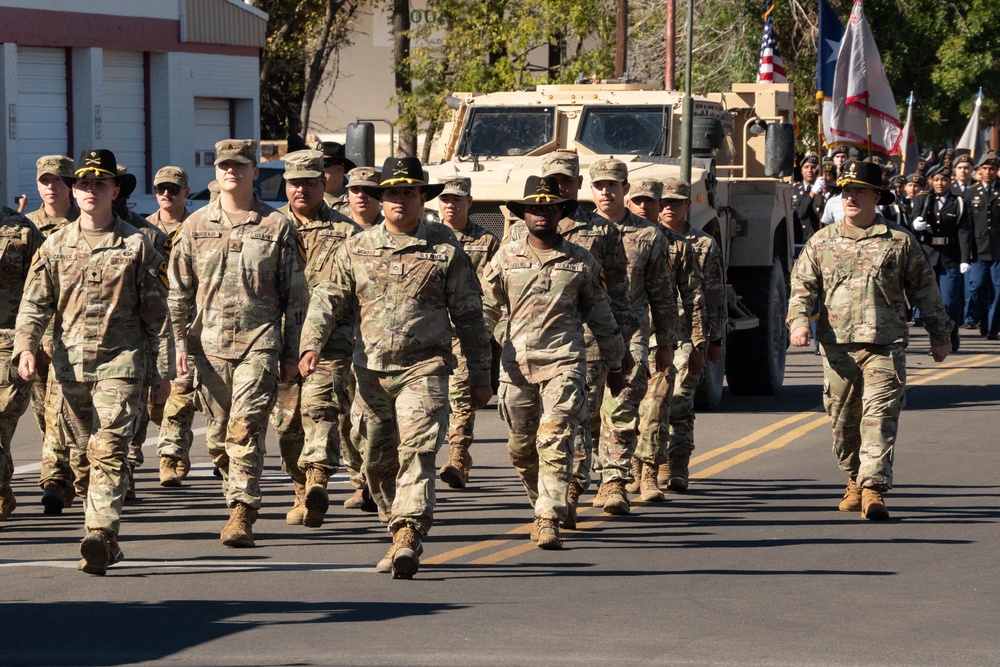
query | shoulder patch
[300, 245]
[162, 272]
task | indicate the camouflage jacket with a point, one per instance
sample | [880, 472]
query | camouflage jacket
[48, 225]
[405, 290]
[713, 281]
[379, 219]
[245, 279]
[479, 244]
[690, 289]
[862, 279]
[154, 219]
[160, 239]
[321, 236]
[652, 289]
[108, 305]
[603, 240]
[19, 239]
[545, 306]
[340, 203]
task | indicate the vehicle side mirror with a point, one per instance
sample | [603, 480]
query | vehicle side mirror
[779, 150]
[360, 145]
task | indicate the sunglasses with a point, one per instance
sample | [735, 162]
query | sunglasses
[168, 188]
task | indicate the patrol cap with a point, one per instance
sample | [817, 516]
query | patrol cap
[458, 185]
[609, 170]
[303, 164]
[364, 176]
[988, 158]
[646, 187]
[126, 182]
[174, 175]
[243, 151]
[563, 162]
[675, 188]
[56, 165]
[859, 174]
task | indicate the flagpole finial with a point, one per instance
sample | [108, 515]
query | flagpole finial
[979, 95]
[911, 99]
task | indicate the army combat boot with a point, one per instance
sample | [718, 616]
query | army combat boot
[317, 498]
[601, 497]
[633, 486]
[57, 496]
[238, 531]
[852, 497]
[296, 516]
[663, 474]
[96, 551]
[617, 500]
[572, 498]
[872, 505]
[548, 534]
[648, 488]
[115, 555]
[454, 473]
[679, 470]
[183, 466]
[7, 502]
[406, 560]
[168, 472]
[130, 485]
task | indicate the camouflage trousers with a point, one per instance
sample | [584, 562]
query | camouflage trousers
[405, 417]
[462, 421]
[864, 392]
[236, 397]
[620, 423]
[64, 445]
[306, 419]
[14, 398]
[655, 417]
[589, 430]
[135, 456]
[108, 412]
[174, 418]
[682, 402]
[544, 419]
[351, 447]
[39, 390]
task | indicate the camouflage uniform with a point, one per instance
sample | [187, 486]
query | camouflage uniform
[245, 277]
[307, 413]
[100, 361]
[405, 287]
[863, 279]
[19, 239]
[545, 302]
[604, 242]
[656, 418]
[652, 293]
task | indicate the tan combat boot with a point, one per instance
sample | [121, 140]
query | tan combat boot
[663, 474]
[852, 497]
[317, 497]
[130, 485]
[297, 515]
[183, 466]
[453, 472]
[679, 470]
[601, 497]
[572, 499]
[115, 555]
[635, 484]
[96, 552]
[56, 496]
[7, 502]
[238, 531]
[548, 534]
[617, 500]
[406, 560]
[650, 492]
[534, 530]
[168, 472]
[872, 505]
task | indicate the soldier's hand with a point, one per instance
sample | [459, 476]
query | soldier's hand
[481, 396]
[160, 392]
[664, 358]
[182, 364]
[940, 352]
[801, 337]
[22, 203]
[307, 364]
[289, 370]
[628, 362]
[616, 382]
[43, 357]
[26, 366]
[696, 361]
[714, 352]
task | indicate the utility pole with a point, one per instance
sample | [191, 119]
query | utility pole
[688, 103]
[621, 39]
[668, 75]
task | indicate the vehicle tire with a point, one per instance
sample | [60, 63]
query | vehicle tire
[755, 358]
[709, 392]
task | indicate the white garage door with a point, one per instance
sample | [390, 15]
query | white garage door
[42, 113]
[124, 112]
[212, 123]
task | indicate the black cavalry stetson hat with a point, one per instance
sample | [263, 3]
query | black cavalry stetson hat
[541, 190]
[333, 153]
[98, 163]
[857, 173]
[403, 172]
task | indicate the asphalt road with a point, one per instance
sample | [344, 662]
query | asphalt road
[754, 566]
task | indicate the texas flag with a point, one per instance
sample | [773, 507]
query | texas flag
[831, 31]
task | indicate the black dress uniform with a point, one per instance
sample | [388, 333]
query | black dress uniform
[979, 244]
[943, 216]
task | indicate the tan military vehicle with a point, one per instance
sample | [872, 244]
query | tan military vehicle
[741, 188]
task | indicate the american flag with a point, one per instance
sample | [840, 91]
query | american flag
[771, 69]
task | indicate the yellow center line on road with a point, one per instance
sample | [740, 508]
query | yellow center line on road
[791, 436]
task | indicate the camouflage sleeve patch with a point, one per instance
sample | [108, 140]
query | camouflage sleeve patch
[164, 278]
[300, 245]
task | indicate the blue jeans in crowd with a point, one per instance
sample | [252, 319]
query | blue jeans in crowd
[984, 277]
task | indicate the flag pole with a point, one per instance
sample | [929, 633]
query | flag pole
[909, 119]
[868, 122]
[819, 126]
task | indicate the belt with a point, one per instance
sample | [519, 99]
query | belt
[940, 240]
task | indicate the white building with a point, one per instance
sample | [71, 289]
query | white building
[156, 81]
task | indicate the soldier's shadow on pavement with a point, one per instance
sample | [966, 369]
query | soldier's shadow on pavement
[971, 398]
[84, 639]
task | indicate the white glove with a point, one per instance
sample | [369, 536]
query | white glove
[963, 267]
[818, 186]
[918, 224]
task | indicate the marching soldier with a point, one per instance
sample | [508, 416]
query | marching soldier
[365, 209]
[335, 165]
[979, 241]
[806, 198]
